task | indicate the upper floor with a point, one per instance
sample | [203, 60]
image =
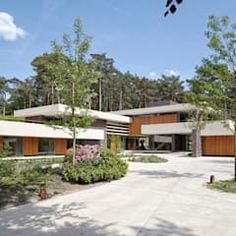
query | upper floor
[162, 114]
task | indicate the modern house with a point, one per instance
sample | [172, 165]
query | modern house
[166, 127]
[157, 128]
[32, 136]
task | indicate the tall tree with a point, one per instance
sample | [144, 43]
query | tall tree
[21, 94]
[218, 73]
[170, 88]
[75, 76]
[204, 88]
[3, 95]
[47, 88]
[106, 69]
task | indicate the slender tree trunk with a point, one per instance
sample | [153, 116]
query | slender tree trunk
[58, 98]
[121, 100]
[196, 143]
[52, 91]
[100, 93]
[4, 110]
[74, 145]
[30, 100]
[74, 127]
[235, 151]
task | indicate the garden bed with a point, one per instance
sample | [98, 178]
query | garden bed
[147, 159]
[225, 186]
[15, 191]
[21, 180]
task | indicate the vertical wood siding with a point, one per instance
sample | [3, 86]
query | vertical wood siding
[60, 146]
[218, 146]
[30, 146]
[1, 143]
[137, 122]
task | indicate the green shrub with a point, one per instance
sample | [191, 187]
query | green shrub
[7, 168]
[6, 150]
[108, 166]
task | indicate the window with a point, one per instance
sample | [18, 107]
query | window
[46, 146]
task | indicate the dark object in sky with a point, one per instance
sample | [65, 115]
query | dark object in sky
[173, 9]
[166, 13]
[169, 2]
[171, 6]
[179, 1]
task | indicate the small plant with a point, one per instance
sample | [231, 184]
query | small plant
[6, 150]
[147, 159]
[225, 186]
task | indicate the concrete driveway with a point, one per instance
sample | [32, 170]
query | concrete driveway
[154, 199]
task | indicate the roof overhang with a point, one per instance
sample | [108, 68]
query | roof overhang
[56, 110]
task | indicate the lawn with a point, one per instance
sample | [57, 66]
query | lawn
[225, 186]
[146, 159]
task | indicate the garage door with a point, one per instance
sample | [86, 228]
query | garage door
[218, 146]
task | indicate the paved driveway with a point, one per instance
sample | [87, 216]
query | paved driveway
[154, 199]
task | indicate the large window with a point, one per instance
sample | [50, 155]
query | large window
[46, 146]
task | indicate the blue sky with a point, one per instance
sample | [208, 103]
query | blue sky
[133, 32]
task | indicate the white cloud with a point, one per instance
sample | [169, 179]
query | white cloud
[172, 72]
[152, 74]
[8, 30]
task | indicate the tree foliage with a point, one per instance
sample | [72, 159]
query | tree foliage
[74, 74]
[215, 83]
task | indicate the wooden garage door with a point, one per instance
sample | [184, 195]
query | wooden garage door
[218, 146]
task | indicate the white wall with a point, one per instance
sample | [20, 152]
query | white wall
[23, 129]
[212, 129]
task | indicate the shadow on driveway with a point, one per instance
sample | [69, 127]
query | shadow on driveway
[167, 174]
[164, 228]
[57, 219]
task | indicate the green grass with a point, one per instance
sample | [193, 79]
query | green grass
[225, 186]
[147, 159]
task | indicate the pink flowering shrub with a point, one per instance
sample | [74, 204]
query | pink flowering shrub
[87, 152]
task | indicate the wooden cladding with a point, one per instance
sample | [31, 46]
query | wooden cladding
[60, 146]
[137, 122]
[1, 143]
[30, 146]
[218, 146]
[35, 118]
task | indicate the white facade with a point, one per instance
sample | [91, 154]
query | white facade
[212, 128]
[23, 129]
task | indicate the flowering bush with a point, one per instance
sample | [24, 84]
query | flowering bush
[87, 152]
[105, 166]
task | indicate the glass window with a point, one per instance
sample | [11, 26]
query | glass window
[46, 146]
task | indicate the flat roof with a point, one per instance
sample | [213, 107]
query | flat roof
[61, 109]
[183, 107]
